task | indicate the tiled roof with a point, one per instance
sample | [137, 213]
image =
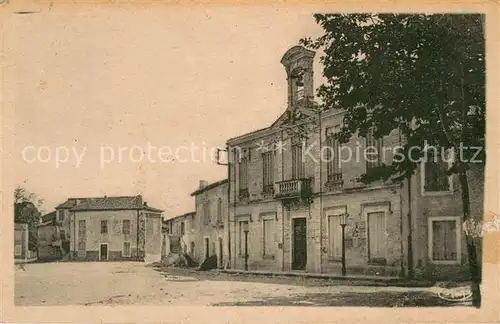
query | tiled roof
[49, 217]
[107, 203]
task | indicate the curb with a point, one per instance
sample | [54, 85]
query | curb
[349, 280]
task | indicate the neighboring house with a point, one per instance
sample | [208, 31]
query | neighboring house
[50, 240]
[21, 250]
[183, 233]
[25, 212]
[292, 200]
[165, 239]
[211, 201]
[111, 228]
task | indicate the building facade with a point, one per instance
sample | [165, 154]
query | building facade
[182, 234]
[111, 228]
[213, 237]
[291, 184]
[53, 244]
[21, 236]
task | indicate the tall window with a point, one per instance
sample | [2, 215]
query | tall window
[126, 226]
[376, 237]
[333, 167]
[206, 212]
[82, 230]
[373, 150]
[126, 249]
[444, 239]
[183, 228]
[334, 237]
[219, 210]
[241, 245]
[434, 170]
[268, 237]
[104, 227]
[60, 215]
[243, 174]
[267, 172]
[297, 162]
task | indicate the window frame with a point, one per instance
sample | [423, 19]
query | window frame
[18, 250]
[264, 220]
[130, 249]
[430, 235]
[60, 215]
[129, 226]
[334, 212]
[375, 209]
[378, 144]
[106, 227]
[241, 237]
[297, 163]
[422, 179]
[268, 172]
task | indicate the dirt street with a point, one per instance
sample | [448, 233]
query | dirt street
[118, 283]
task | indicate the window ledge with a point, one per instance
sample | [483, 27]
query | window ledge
[334, 259]
[241, 256]
[377, 261]
[268, 257]
[443, 262]
[437, 193]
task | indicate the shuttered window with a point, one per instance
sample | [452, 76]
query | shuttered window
[435, 177]
[267, 172]
[376, 236]
[268, 236]
[444, 240]
[373, 150]
[126, 226]
[241, 245]
[334, 237]
[126, 249]
[297, 162]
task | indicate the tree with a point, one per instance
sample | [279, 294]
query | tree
[26, 206]
[423, 75]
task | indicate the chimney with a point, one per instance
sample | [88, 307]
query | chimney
[145, 204]
[203, 184]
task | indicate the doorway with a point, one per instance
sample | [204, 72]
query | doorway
[299, 244]
[221, 253]
[103, 251]
[207, 248]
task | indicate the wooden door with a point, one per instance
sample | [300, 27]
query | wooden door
[299, 245]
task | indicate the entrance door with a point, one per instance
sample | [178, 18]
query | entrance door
[207, 248]
[103, 252]
[221, 254]
[299, 252]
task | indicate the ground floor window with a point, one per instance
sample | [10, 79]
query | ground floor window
[444, 240]
[81, 249]
[18, 250]
[126, 249]
[376, 237]
[241, 236]
[334, 237]
[268, 238]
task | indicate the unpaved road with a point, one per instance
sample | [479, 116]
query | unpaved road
[123, 283]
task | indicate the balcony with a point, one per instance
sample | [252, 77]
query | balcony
[290, 189]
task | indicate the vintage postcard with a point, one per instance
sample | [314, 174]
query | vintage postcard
[174, 162]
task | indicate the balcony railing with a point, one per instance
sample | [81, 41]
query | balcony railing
[334, 182]
[291, 188]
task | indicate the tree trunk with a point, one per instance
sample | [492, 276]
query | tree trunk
[474, 265]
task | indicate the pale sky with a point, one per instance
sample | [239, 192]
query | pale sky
[128, 77]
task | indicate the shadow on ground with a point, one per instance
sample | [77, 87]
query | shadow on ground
[378, 299]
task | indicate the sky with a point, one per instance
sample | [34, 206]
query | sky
[94, 83]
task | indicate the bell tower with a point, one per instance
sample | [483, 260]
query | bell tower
[298, 63]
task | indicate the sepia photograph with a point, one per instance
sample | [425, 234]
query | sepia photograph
[316, 158]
